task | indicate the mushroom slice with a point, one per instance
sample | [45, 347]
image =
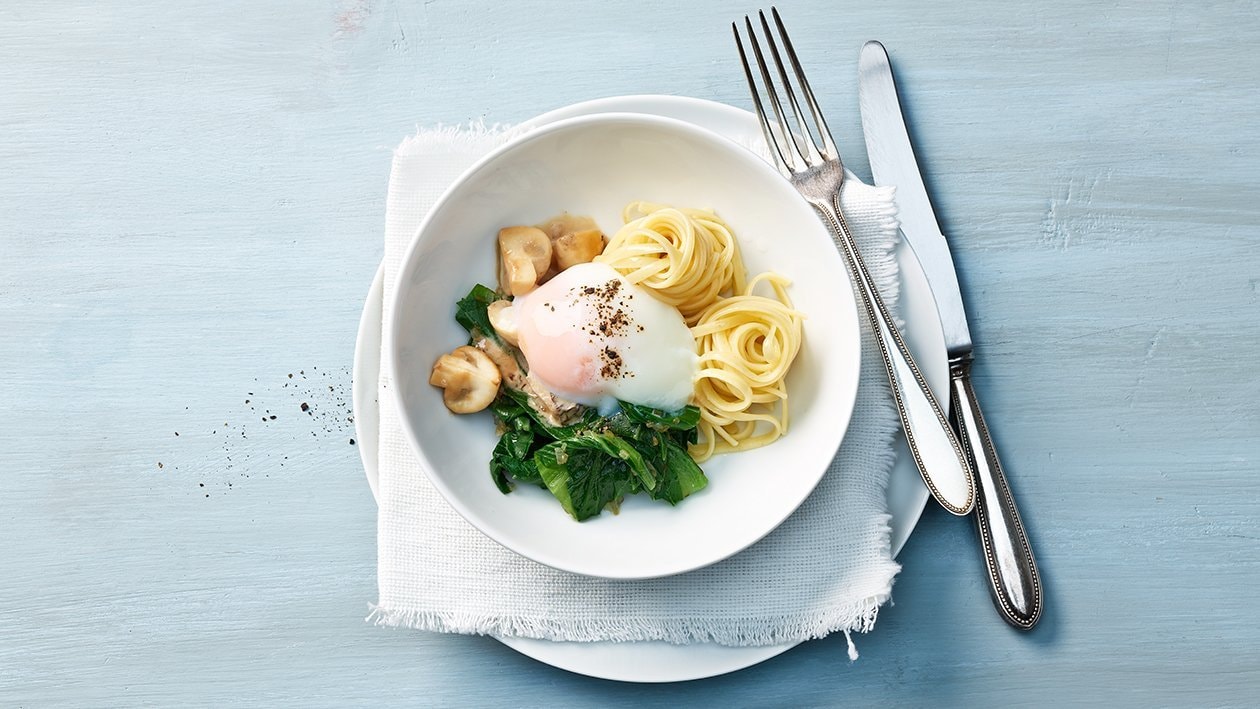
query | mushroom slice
[566, 223]
[577, 247]
[529, 241]
[520, 276]
[469, 378]
[524, 257]
[503, 319]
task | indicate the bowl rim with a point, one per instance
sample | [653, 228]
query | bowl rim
[840, 414]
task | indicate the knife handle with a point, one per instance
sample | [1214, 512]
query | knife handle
[935, 448]
[1013, 578]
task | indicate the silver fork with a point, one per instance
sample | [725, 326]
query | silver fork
[813, 165]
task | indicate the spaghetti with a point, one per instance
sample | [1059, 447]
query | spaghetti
[686, 257]
[746, 345]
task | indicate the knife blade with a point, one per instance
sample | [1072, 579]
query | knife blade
[1014, 581]
[893, 163]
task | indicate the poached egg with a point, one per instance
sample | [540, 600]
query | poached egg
[591, 336]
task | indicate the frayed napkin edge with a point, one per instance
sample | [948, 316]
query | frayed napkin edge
[771, 630]
[459, 138]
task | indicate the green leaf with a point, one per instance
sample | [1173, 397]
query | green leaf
[507, 408]
[513, 458]
[684, 438]
[680, 476]
[470, 312]
[592, 464]
[583, 481]
[589, 420]
[591, 471]
[683, 419]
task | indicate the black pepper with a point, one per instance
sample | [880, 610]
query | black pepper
[611, 321]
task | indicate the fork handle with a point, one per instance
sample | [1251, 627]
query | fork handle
[933, 445]
[1013, 579]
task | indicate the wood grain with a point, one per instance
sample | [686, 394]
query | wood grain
[191, 201]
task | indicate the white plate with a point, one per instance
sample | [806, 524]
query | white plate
[659, 661]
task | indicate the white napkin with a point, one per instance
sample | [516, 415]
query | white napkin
[828, 568]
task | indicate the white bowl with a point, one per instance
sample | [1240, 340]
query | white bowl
[594, 165]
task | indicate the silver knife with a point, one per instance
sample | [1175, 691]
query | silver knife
[1012, 570]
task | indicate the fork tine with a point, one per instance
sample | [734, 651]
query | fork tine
[796, 159]
[829, 145]
[806, 143]
[771, 142]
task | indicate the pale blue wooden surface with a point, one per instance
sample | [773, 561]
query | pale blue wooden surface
[191, 201]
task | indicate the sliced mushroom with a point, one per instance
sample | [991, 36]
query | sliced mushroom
[503, 319]
[577, 247]
[524, 257]
[528, 240]
[570, 242]
[469, 378]
[520, 275]
[566, 223]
